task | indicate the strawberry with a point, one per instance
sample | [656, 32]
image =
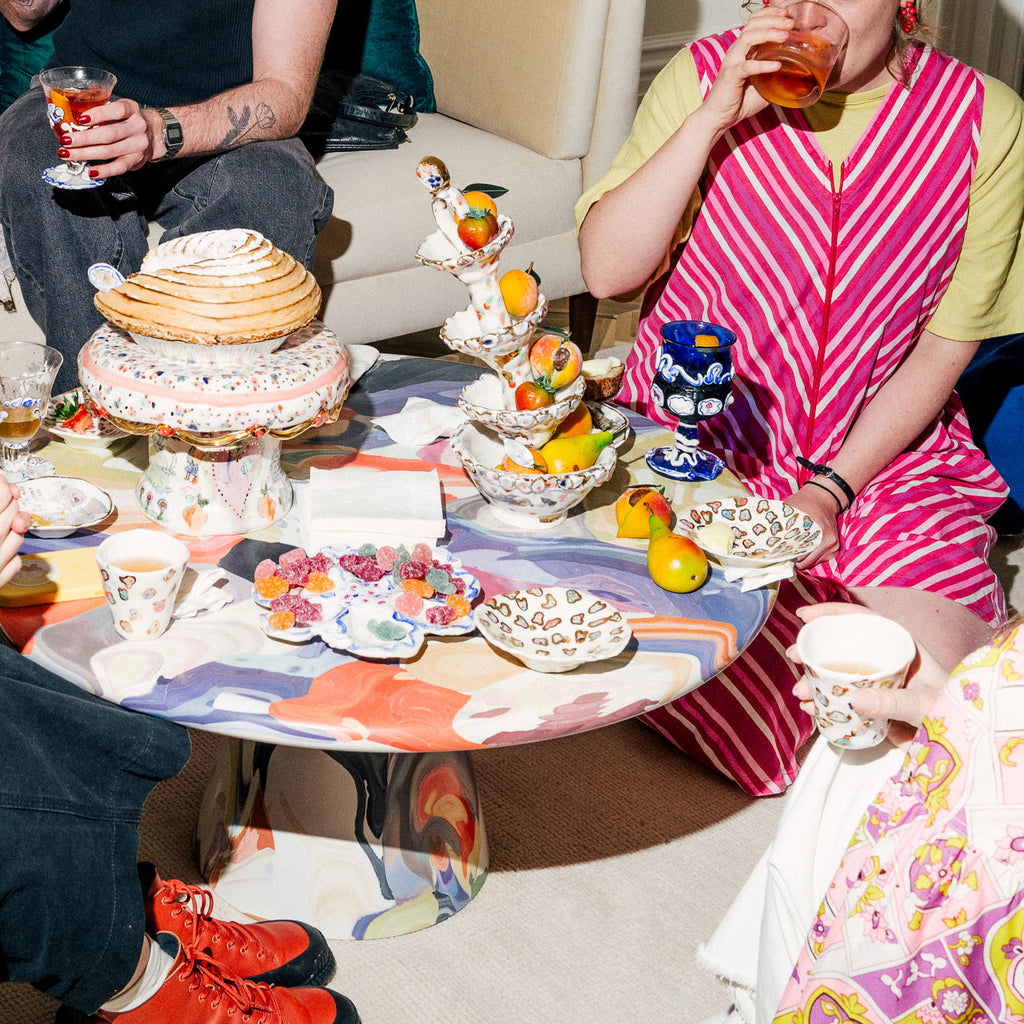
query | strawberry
[80, 421]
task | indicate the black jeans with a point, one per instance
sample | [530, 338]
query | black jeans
[74, 774]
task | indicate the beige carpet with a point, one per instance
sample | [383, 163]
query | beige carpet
[612, 857]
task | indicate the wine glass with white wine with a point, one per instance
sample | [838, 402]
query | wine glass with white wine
[27, 371]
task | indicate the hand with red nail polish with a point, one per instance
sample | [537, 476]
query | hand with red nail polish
[63, 154]
[93, 172]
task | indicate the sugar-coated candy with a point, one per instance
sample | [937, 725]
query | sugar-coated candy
[421, 587]
[422, 553]
[445, 567]
[294, 555]
[402, 553]
[385, 557]
[409, 603]
[271, 586]
[295, 571]
[363, 567]
[320, 562]
[303, 610]
[268, 567]
[440, 615]
[412, 570]
[319, 583]
[440, 581]
[283, 619]
[458, 604]
[367, 550]
[386, 629]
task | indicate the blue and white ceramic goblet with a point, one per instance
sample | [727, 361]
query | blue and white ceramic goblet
[692, 382]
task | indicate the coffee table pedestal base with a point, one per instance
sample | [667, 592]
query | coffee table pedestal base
[362, 845]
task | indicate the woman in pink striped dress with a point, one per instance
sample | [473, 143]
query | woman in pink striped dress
[827, 239]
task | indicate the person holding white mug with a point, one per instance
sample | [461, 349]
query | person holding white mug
[895, 880]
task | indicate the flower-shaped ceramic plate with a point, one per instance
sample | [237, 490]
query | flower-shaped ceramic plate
[553, 629]
[101, 437]
[360, 616]
[58, 505]
[765, 532]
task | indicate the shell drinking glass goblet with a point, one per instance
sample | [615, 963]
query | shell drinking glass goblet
[69, 93]
[26, 376]
[692, 382]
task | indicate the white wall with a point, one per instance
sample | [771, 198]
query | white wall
[989, 34]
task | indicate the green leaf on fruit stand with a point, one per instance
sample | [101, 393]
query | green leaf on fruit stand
[494, 191]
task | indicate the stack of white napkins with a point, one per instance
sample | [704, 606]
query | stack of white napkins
[754, 577]
[421, 421]
[352, 506]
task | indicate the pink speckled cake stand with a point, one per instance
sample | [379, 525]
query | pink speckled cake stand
[215, 422]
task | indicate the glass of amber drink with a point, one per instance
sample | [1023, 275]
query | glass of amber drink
[808, 56]
[26, 377]
[69, 93]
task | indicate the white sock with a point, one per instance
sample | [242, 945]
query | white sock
[157, 968]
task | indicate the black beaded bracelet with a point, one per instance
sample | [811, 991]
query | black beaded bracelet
[841, 508]
[829, 474]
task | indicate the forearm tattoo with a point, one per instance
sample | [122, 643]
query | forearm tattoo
[244, 124]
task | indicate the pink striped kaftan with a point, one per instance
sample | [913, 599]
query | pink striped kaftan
[828, 284]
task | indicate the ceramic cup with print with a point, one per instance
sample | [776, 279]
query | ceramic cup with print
[843, 653]
[808, 55]
[141, 572]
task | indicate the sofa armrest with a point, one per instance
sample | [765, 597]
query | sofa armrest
[528, 71]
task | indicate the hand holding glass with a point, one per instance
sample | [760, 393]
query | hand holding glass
[808, 55]
[26, 376]
[69, 93]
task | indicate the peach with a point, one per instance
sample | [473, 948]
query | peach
[634, 508]
[555, 361]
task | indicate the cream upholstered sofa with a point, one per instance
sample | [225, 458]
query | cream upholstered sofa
[533, 96]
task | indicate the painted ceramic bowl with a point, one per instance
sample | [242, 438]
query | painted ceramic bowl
[59, 505]
[101, 438]
[481, 401]
[534, 501]
[553, 629]
[765, 532]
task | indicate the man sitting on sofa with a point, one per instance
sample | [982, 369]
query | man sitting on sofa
[200, 136]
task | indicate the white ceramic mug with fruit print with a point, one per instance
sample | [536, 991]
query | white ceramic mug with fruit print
[844, 653]
[141, 572]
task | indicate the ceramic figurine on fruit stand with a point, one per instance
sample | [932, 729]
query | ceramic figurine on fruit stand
[448, 204]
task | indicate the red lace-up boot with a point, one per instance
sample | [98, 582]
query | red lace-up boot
[285, 953]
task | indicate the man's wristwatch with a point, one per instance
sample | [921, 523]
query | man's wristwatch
[174, 138]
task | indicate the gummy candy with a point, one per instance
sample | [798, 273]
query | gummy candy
[320, 562]
[421, 587]
[385, 629]
[268, 567]
[386, 556]
[319, 583]
[304, 611]
[458, 604]
[412, 570]
[271, 586]
[294, 571]
[363, 567]
[283, 619]
[367, 550]
[295, 555]
[441, 615]
[440, 581]
[422, 553]
[409, 603]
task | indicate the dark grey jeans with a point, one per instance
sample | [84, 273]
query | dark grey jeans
[54, 236]
[74, 774]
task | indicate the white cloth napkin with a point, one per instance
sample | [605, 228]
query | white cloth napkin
[421, 421]
[352, 506]
[754, 578]
[204, 591]
[360, 359]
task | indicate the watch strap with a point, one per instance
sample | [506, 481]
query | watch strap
[174, 137]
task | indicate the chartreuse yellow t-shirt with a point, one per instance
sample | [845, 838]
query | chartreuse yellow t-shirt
[986, 295]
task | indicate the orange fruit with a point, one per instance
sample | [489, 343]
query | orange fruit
[634, 508]
[520, 292]
[706, 341]
[579, 421]
[482, 201]
[527, 460]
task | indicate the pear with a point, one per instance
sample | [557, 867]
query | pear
[577, 451]
[674, 562]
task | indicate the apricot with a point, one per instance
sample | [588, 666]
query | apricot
[555, 361]
[519, 292]
[579, 421]
[482, 201]
[527, 459]
[634, 508]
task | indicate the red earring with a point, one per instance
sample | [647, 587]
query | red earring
[908, 16]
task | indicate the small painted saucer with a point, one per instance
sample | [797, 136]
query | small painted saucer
[57, 506]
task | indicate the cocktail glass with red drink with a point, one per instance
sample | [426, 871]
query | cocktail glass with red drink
[808, 56]
[70, 92]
